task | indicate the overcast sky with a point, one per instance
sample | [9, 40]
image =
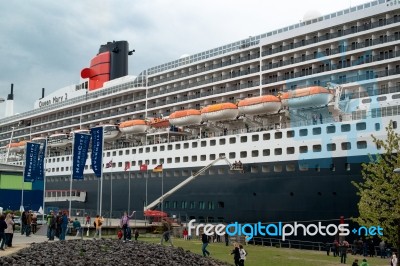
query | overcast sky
[46, 43]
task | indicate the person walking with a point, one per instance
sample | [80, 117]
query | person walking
[28, 226]
[204, 240]
[77, 226]
[9, 232]
[243, 255]
[185, 234]
[166, 236]
[344, 245]
[382, 249]
[124, 223]
[98, 222]
[64, 225]
[236, 254]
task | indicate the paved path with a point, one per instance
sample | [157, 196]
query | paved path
[22, 241]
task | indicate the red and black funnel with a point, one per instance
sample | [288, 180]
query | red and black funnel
[110, 63]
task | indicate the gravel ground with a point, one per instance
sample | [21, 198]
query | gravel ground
[105, 252]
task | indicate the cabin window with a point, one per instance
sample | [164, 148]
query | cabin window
[303, 132]
[266, 152]
[169, 147]
[126, 152]
[278, 168]
[394, 124]
[177, 146]
[381, 98]
[162, 148]
[290, 150]
[194, 158]
[361, 144]
[317, 148]
[213, 142]
[222, 142]
[243, 139]
[155, 149]
[266, 136]
[254, 153]
[303, 167]
[186, 145]
[177, 159]
[347, 166]
[194, 144]
[232, 155]
[203, 157]
[345, 128]
[330, 129]
[185, 159]
[361, 126]
[346, 146]
[169, 160]
[203, 143]
[154, 161]
[243, 154]
[303, 149]
[290, 134]
[140, 151]
[331, 147]
[192, 205]
[212, 157]
[255, 137]
[232, 140]
[147, 150]
[316, 131]
[377, 126]
[290, 168]
[278, 151]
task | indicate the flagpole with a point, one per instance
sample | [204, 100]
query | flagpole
[162, 190]
[111, 206]
[101, 177]
[72, 172]
[23, 181]
[129, 190]
[44, 177]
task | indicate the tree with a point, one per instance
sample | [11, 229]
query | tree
[380, 190]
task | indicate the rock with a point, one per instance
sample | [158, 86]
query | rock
[105, 252]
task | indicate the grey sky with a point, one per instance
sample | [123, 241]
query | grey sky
[46, 43]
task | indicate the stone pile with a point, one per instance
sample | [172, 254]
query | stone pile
[105, 252]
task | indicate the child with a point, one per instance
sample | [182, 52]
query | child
[120, 234]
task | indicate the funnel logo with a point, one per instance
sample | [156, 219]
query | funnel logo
[280, 230]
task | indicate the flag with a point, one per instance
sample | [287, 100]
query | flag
[79, 156]
[158, 168]
[143, 167]
[42, 154]
[31, 161]
[127, 166]
[109, 164]
[97, 150]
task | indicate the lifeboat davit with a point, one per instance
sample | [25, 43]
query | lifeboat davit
[266, 104]
[110, 132]
[159, 122]
[220, 112]
[58, 140]
[16, 146]
[185, 117]
[81, 131]
[39, 140]
[133, 126]
[315, 96]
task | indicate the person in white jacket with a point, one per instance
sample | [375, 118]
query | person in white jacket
[243, 254]
[394, 260]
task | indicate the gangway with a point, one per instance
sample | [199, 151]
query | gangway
[189, 179]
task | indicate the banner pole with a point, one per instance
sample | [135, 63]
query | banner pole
[44, 178]
[101, 176]
[72, 172]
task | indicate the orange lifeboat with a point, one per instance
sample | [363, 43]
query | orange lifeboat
[16, 146]
[220, 112]
[266, 104]
[58, 140]
[159, 122]
[315, 96]
[185, 117]
[133, 126]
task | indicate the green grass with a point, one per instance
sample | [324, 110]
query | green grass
[259, 256]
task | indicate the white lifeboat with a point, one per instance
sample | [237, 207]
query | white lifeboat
[159, 122]
[137, 126]
[82, 131]
[39, 140]
[315, 96]
[16, 146]
[266, 104]
[185, 117]
[111, 132]
[220, 112]
[58, 140]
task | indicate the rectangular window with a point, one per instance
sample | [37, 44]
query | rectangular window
[278, 151]
[317, 148]
[254, 138]
[303, 149]
[278, 135]
[243, 139]
[290, 150]
[346, 146]
[266, 152]
[330, 129]
[266, 136]
[290, 134]
[303, 132]
[345, 128]
[331, 147]
[222, 142]
[361, 144]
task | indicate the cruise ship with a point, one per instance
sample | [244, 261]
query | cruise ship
[270, 128]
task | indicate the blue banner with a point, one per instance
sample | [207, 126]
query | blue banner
[42, 154]
[31, 161]
[81, 148]
[97, 150]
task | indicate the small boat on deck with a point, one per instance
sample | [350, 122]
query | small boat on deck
[185, 117]
[220, 112]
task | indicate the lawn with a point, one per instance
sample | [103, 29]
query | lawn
[259, 256]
